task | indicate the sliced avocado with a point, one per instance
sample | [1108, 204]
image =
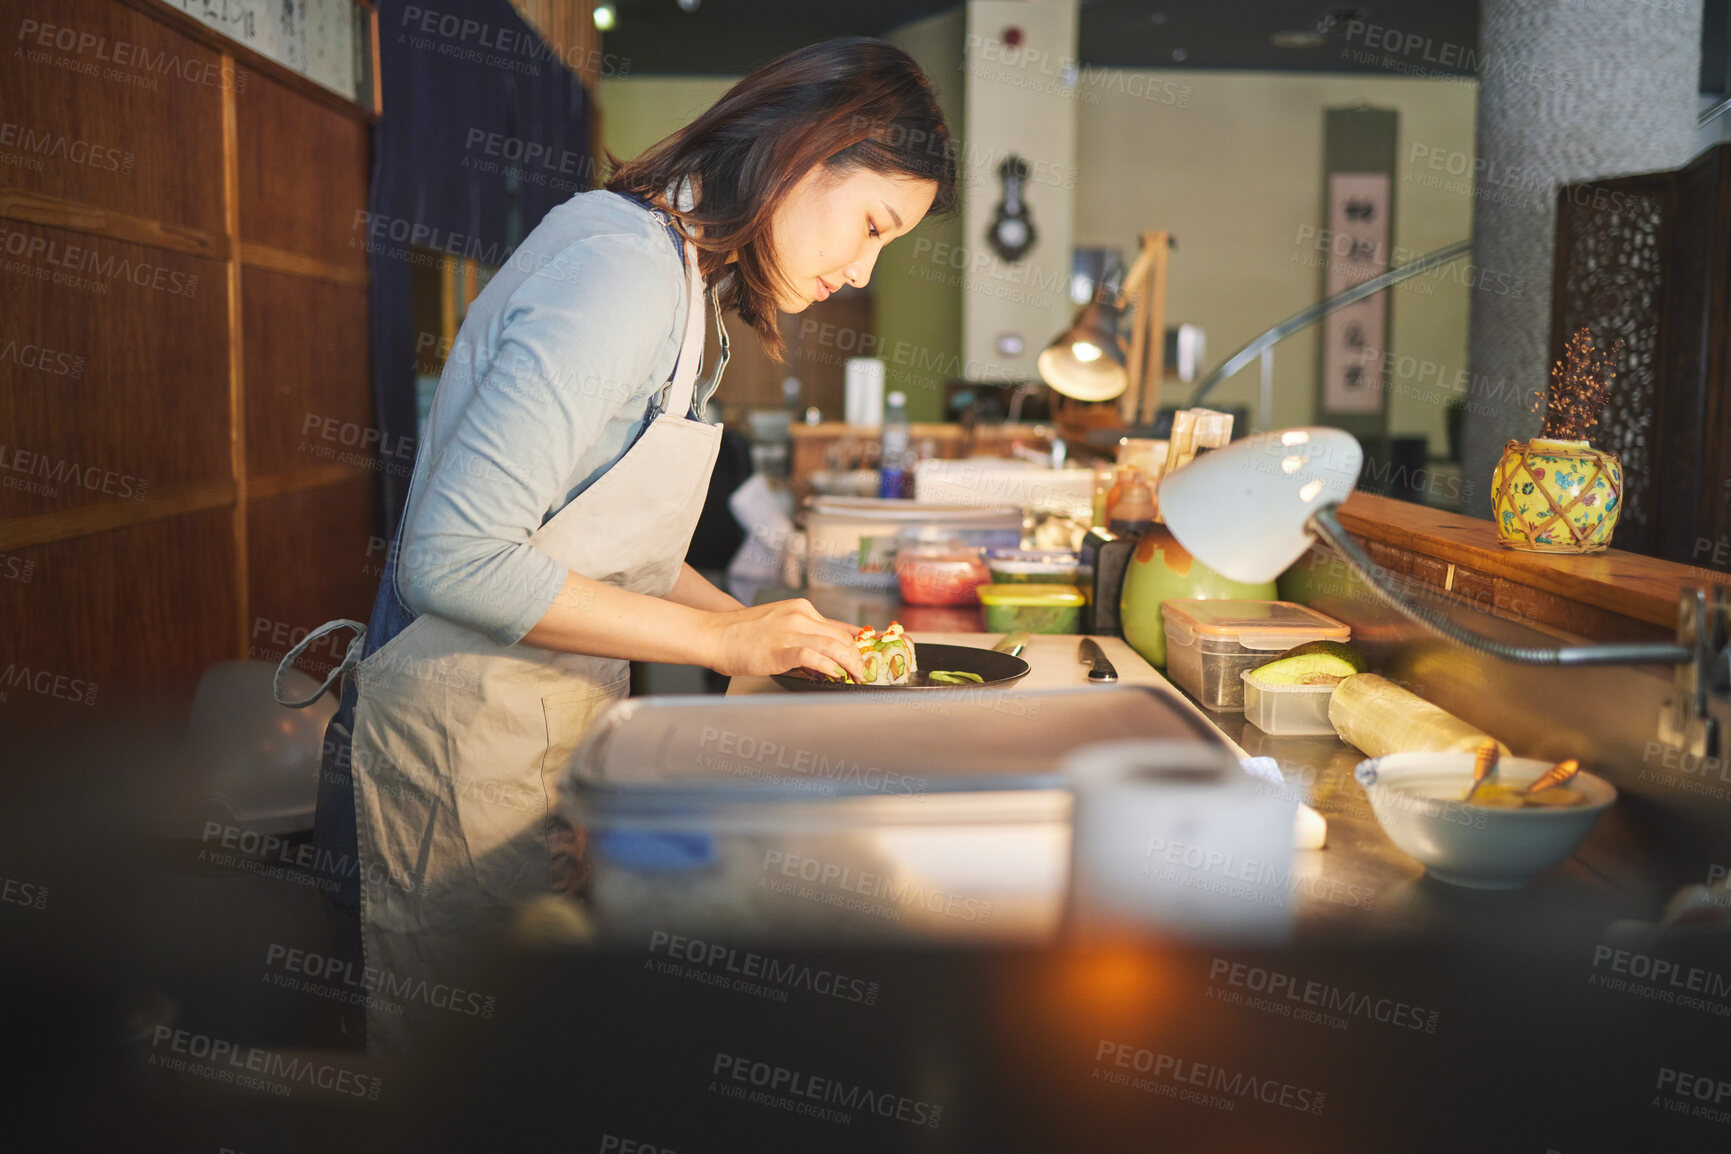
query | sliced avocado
[1311, 663]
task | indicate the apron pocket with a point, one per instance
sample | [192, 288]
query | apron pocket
[569, 716]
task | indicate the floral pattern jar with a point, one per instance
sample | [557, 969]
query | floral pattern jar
[1556, 496]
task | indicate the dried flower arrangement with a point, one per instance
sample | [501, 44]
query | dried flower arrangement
[1580, 387]
[1553, 496]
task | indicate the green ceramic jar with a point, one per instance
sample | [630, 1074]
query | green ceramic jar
[1160, 570]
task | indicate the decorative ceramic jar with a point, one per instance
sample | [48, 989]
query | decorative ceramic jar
[1161, 570]
[1556, 496]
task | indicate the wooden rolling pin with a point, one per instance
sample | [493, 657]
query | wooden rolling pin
[1380, 717]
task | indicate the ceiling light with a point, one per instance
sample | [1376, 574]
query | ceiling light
[1302, 38]
[604, 18]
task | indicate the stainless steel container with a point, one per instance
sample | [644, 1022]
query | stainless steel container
[877, 815]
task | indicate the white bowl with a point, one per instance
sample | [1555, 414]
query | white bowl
[1414, 797]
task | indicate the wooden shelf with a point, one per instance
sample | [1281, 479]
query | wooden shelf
[1642, 588]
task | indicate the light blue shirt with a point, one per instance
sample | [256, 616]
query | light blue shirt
[550, 381]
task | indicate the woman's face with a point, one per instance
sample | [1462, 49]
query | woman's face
[830, 228]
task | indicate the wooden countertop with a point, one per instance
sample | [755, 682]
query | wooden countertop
[1644, 588]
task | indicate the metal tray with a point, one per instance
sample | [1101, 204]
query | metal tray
[697, 755]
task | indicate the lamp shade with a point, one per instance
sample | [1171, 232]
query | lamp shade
[1086, 361]
[1244, 510]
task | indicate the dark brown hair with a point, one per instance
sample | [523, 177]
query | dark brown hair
[850, 103]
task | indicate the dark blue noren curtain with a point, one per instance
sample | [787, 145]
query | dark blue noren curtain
[483, 130]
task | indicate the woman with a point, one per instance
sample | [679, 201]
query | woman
[563, 469]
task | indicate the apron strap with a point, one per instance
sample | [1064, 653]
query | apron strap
[351, 658]
[691, 350]
[713, 379]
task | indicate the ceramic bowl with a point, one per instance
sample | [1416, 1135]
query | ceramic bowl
[1415, 799]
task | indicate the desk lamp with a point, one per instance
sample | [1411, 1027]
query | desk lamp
[1251, 509]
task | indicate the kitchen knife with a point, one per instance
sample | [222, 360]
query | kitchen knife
[1091, 652]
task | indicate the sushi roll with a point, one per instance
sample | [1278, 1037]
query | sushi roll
[888, 657]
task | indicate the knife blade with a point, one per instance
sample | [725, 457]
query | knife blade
[1012, 643]
[1090, 651]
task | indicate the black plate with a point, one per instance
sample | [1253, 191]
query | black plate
[995, 669]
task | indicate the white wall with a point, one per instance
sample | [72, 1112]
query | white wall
[1231, 164]
[1022, 101]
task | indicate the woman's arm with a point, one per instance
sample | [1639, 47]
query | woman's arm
[591, 616]
[582, 338]
[697, 591]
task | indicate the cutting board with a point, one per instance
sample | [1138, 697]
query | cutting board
[1052, 664]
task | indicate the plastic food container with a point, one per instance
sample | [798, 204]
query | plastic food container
[940, 574]
[1209, 644]
[1287, 710]
[1036, 608]
[789, 817]
[852, 541]
[1032, 566]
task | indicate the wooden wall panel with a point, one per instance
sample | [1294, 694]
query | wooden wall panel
[115, 111]
[138, 613]
[308, 385]
[289, 147]
[122, 375]
[146, 407]
[312, 557]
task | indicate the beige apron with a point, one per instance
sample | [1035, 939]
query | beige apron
[458, 740]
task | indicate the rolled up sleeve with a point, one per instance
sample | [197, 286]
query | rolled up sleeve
[581, 339]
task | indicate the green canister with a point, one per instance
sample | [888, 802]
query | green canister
[1161, 570]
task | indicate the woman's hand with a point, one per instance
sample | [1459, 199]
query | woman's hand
[780, 636]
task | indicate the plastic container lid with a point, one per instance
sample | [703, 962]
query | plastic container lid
[1253, 624]
[1043, 596]
[1033, 556]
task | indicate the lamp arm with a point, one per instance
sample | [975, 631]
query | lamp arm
[1310, 315]
[1325, 525]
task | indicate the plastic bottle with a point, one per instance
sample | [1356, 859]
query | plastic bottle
[893, 465]
[1130, 504]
